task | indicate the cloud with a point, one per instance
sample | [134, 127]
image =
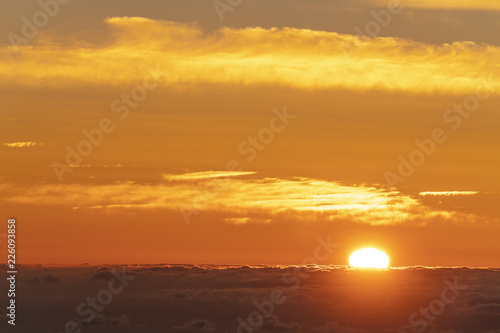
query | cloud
[448, 193]
[23, 144]
[122, 320]
[298, 58]
[245, 220]
[333, 299]
[103, 274]
[334, 327]
[445, 4]
[488, 309]
[49, 278]
[118, 165]
[252, 200]
[482, 203]
[274, 324]
[201, 325]
[206, 175]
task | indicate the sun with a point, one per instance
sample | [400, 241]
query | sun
[369, 258]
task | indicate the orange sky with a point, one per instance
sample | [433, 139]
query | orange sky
[142, 136]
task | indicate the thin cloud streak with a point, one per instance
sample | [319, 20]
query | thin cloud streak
[448, 193]
[206, 175]
[23, 144]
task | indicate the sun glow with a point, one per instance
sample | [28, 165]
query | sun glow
[369, 258]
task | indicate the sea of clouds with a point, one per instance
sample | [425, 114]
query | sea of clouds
[211, 298]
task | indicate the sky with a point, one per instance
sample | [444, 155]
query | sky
[239, 132]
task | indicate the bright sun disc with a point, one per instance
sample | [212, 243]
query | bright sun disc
[369, 258]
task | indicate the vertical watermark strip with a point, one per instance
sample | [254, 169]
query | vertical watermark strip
[11, 271]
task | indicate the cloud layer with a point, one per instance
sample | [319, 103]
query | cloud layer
[315, 299]
[299, 58]
[242, 200]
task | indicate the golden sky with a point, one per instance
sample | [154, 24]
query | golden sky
[142, 135]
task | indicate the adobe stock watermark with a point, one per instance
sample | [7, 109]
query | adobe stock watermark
[223, 6]
[381, 19]
[94, 137]
[292, 277]
[419, 321]
[30, 28]
[454, 117]
[87, 311]
[249, 148]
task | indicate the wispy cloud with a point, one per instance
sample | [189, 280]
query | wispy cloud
[206, 175]
[245, 220]
[119, 165]
[304, 59]
[448, 193]
[24, 144]
[239, 200]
